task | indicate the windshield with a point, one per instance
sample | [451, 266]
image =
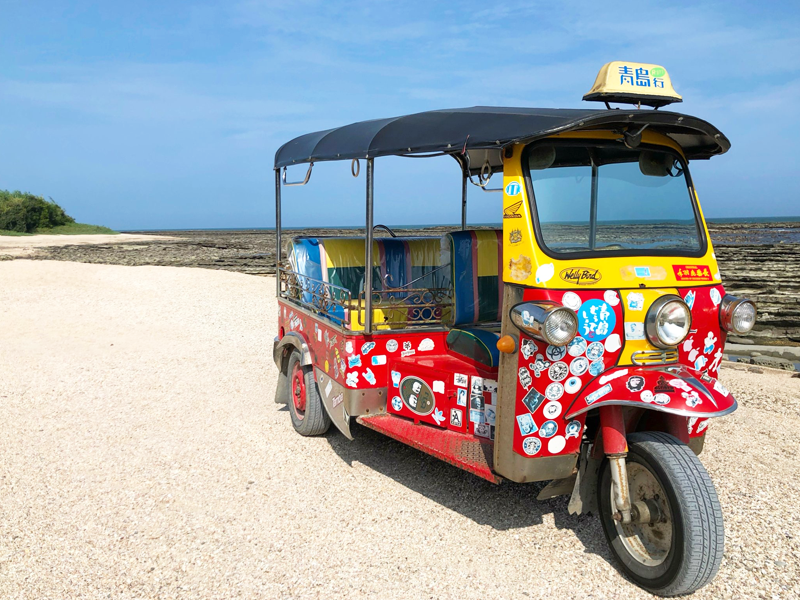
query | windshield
[609, 198]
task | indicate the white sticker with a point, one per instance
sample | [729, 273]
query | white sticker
[456, 418]
[425, 345]
[555, 353]
[721, 389]
[545, 273]
[328, 388]
[491, 413]
[319, 335]
[528, 347]
[572, 385]
[552, 409]
[337, 400]
[634, 331]
[571, 300]
[462, 397]
[613, 376]
[379, 359]
[579, 366]
[635, 301]
[715, 297]
[348, 347]
[391, 346]
[438, 387]
[352, 379]
[556, 445]
[554, 391]
[611, 297]
[613, 343]
[461, 380]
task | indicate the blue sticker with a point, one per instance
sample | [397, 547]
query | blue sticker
[596, 367]
[642, 271]
[513, 188]
[596, 320]
[548, 429]
[397, 403]
[689, 299]
[354, 361]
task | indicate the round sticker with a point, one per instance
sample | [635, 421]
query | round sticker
[613, 343]
[554, 391]
[596, 367]
[558, 371]
[556, 352]
[646, 396]
[548, 429]
[416, 395]
[635, 383]
[661, 399]
[579, 366]
[611, 297]
[595, 351]
[657, 72]
[572, 385]
[391, 346]
[573, 429]
[556, 445]
[571, 300]
[397, 403]
[531, 445]
[596, 320]
[715, 296]
[552, 409]
[577, 346]
[513, 188]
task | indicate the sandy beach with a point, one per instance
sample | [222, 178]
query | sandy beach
[142, 456]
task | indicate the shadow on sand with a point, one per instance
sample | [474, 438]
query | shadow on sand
[503, 507]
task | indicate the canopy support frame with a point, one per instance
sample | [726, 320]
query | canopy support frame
[278, 231]
[368, 247]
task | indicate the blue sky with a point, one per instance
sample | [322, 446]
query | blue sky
[167, 114]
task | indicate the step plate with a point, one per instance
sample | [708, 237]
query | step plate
[460, 450]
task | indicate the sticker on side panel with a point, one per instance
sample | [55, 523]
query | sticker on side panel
[519, 268]
[689, 299]
[533, 400]
[416, 395]
[558, 371]
[555, 353]
[596, 367]
[643, 272]
[539, 366]
[438, 387]
[545, 273]
[528, 348]
[379, 359]
[397, 403]
[599, 393]
[613, 376]
[595, 320]
[526, 424]
[391, 346]
[490, 412]
[573, 429]
[531, 446]
[715, 296]
[635, 383]
[462, 397]
[407, 350]
[552, 410]
[556, 445]
[572, 385]
[396, 378]
[577, 346]
[554, 391]
[571, 300]
[369, 376]
[354, 361]
[594, 351]
[579, 366]
[425, 345]
[612, 343]
[367, 347]
[438, 416]
[611, 297]
[352, 379]
[634, 330]
[461, 380]
[580, 275]
[513, 188]
[525, 378]
[483, 430]
[548, 429]
[456, 418]
[477, 416]
[635, 301]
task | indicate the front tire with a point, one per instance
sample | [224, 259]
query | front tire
[305, 405]
[680, 549]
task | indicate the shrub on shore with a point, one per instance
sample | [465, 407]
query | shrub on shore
[21, 213]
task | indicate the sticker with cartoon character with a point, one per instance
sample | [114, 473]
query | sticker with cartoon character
[416, 395]
[526, 424]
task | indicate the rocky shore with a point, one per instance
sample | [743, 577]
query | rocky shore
[757, 260]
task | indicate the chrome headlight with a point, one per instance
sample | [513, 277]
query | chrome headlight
[737, 315]
[546, 321]
[668, 321]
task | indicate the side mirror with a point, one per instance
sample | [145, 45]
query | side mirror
[655, 164]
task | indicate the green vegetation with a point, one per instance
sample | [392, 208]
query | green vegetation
[22, 213]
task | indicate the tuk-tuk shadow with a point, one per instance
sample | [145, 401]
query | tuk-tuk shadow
[502, 507]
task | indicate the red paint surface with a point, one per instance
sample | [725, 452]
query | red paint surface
[612, 428]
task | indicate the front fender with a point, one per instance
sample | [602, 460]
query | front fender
[672, 389]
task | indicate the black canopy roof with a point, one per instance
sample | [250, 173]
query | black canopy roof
[488, 127]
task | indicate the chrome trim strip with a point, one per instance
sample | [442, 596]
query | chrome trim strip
[655, 407]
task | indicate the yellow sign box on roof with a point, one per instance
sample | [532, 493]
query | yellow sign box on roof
[633, 83]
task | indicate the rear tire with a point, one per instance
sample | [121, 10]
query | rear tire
[681, 552]
[305, 405]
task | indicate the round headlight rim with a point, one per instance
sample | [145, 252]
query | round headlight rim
[573, 318]
[728, 307]
[539, 312]
[651, 320]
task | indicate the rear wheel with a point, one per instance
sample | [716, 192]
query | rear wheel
[305, 405]
[674, 544]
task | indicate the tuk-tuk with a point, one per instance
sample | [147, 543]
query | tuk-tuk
[578, 344]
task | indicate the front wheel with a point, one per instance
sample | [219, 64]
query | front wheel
[674, 544]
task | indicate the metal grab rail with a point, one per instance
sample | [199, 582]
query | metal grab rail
[423, 306]
[305, 181]
[319, 296]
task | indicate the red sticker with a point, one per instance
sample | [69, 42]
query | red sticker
[692, 273]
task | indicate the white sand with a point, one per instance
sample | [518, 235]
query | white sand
[142, 456]
[25, 245]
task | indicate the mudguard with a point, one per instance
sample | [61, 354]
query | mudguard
[672, 389]
[296, 341]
